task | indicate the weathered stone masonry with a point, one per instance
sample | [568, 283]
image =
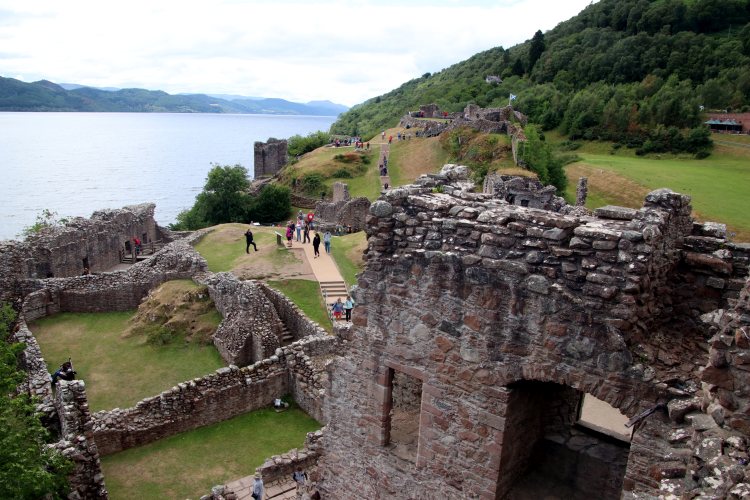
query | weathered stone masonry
[478, 299]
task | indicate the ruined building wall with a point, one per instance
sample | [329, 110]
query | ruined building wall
[77, 441]
[251, 328]
[344, 213]
[60, 252]
[115, 291]
[307, 362]
[469, 295]
[269, 157]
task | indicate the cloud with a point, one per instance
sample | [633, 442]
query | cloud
[343, 51]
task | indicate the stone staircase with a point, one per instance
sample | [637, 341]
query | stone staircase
[286, 336]
[385, 179]
[276, 490]
[333, 290]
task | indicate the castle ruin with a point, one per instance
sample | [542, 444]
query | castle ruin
[269, 157]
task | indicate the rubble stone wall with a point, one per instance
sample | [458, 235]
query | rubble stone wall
[61, 251]
[226, 393]
[38, 383]
[251, 329]
[353, 213]
[269, 157]
[77, 441]
[470, 295]
[282, 466]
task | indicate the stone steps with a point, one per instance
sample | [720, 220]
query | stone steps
[333, 290]
[286, 336]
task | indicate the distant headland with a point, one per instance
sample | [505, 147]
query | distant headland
[44, 95]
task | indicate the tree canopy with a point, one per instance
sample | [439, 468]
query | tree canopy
[30, 468]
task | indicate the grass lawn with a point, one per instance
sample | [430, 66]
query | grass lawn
[224, 250]
[411, 158]
[347, 253]
[306, 295]
[119, 371]
[367, 184]
[719, 185]
[189, 464]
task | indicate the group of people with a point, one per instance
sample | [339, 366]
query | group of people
[340, 307]
[302, 228]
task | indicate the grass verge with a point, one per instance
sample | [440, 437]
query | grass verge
[411, 158]
[347, 252]
[189, 464]
[306, 295]
[119, 371]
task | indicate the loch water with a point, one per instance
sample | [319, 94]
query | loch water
[77, 163]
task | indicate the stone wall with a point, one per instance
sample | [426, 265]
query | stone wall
[38, 383]
[270, 156]
[308, 361]
[470, 295]
[77, 441]
[115, 291]
[340, 192]
[282, 466]
[298, 324]
[523, 192]
[63, 251]
[251, 329]
[352, 213]
[224, 394]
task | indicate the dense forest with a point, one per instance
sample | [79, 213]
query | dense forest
[43, 95]
[636, 71]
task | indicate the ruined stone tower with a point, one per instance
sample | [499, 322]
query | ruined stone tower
[269, 157]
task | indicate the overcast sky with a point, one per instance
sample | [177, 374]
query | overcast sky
[343, 51]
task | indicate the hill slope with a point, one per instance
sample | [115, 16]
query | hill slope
[620, 68]
[43, 95]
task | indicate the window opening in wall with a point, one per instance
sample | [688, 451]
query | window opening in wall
[547, 452]
[524, 203]
[144, 238]
[598, 415]
[127, 246]
[403, 418]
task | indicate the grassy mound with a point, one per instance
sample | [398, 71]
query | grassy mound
[177, 310]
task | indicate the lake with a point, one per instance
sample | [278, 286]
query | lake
[76, 163]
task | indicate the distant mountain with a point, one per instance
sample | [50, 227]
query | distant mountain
[44, 95]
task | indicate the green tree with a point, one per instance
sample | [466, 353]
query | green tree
[271, 205]
[536, 49]
[31, 469]
[539, 158]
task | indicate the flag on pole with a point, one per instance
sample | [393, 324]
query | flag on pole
[512, 97]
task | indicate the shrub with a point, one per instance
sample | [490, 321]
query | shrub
[342, 173]
[312, 183]
[272, 204]
[298, 145]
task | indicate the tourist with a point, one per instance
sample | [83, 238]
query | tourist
[306, 239]
[249, 241]
[327, 241]
[65, 372]
[382, 136]
[299, 229]
[390, 139]
[316, 245]
[348, 306]
[137, 242]
[289, 233]
[300, 477]
[258, 490]
[337, 308]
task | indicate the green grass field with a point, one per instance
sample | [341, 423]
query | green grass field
[347, 253]
[118, 371]
[719, 185]
[224, 248]
[306, 295]
[188, 465]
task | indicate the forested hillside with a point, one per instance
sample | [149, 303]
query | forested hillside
[636, 71]
[43, 95]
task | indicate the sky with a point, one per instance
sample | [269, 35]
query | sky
[342, 51]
